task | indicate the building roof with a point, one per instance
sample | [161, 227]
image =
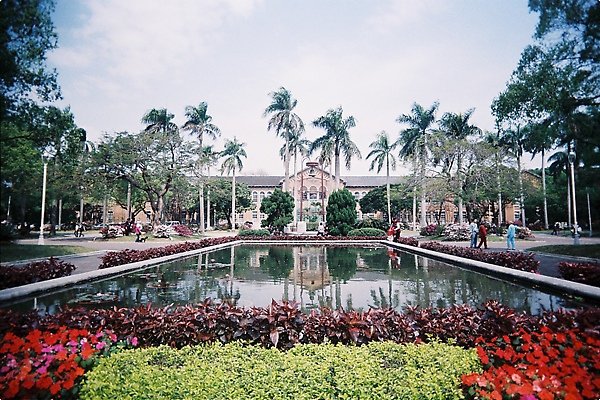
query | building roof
[349, 181]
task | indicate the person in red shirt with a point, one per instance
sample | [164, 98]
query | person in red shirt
[482, 236]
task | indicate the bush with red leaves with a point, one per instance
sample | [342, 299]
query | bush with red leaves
[515, 260]
[11, 275]
[588, 273]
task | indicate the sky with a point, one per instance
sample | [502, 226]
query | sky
[118, 59]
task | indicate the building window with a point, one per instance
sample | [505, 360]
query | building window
[269, 193]
[263, 216]
[313, 193]
[262, 196]
[356, 195]
[363, 194]
[254, 196]
[304, 193]
[254, 214]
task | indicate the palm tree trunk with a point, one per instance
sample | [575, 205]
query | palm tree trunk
[499, 186]
[286, 161]
[544, 188]
[521, 194]
[233, 214]
[208, 201]
[296, 200]
[460, 189]
[387, 182]
[337, 170]
[423, 220]
[201, 215]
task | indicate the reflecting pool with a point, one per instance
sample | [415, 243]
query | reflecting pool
[333, 276]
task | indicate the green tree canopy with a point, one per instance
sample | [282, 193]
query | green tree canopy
[341, 212]
[279, 207]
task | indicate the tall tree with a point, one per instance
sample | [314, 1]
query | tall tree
[337, 136]
[26, 35]
[414, 144]
[199, 123]
[297, 146]
[232, 154]
[458, 129]
[159, 120]
[382, 153]
[284, 121]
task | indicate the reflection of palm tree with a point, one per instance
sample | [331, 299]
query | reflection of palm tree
[233, 153]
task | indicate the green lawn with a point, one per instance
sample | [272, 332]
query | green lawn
[584, 250]
[16, 252]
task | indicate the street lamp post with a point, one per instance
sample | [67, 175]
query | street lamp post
[575, 225]
[41, 237]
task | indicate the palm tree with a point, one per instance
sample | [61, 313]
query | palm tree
[199, 123]
[336, 138]
[284, 121]
[414, 144]
[382, 153]
[513, 141]
[208, 158]
[457, 128]
[233, 153]
[159, 120]
[296, 146]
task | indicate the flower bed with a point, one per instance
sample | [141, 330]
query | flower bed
[457, 232]
[516, 260]
[537, 365]
[284, 325]
[588, 273]
[11, 276]
[50, 363]
[183, 230]
[572, 346]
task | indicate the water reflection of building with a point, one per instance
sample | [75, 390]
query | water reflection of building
[310, 276]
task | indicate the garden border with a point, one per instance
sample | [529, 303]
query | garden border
[554, 284]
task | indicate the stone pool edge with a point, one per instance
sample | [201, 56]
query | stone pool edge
[537, 280]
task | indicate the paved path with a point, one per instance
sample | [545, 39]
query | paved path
[90, 261]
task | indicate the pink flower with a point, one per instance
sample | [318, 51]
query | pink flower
[528, 397]
[100, 345]
[134, 341]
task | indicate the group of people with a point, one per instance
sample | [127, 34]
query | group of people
[480, 231]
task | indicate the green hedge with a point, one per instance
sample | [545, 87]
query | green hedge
[233, 371]
[254, 232]
[374, 232]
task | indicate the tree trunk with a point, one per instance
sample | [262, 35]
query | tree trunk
[337, 169]
[286, 161]
[201, 204]
[387, 183]
[499, 185]
[295, 188]
[544, 188]
[208, 201]
[233, 214]
[460, 190]
[521, 194]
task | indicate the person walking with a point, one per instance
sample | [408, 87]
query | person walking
[510, 236]
[473, 230]
[482, 236]
[138, 232]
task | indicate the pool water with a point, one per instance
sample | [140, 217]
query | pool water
[335, 276]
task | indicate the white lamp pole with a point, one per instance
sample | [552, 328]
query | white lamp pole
[575, 226]
[41, 237]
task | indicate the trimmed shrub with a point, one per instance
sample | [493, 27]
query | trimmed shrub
[374, 232]
[588, 273]
[432, 230]
[456, 232]
[254, 232]
[234, 371]
[341, 212]
[11, 276]
[372, 223]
